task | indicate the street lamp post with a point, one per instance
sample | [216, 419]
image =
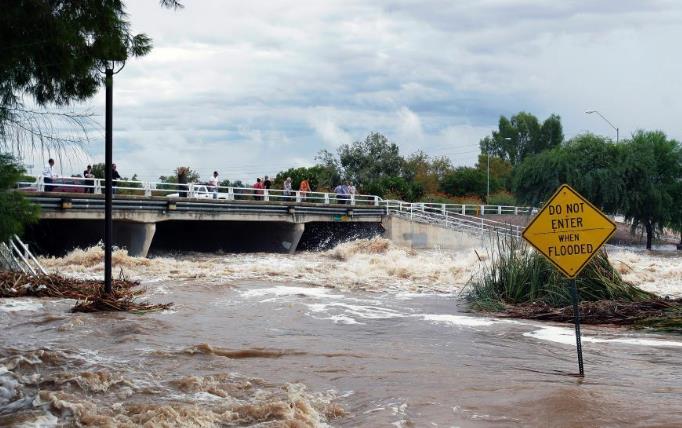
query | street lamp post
[108, 169]
[606, 120]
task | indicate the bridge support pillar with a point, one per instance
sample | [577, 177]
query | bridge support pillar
[135, 237]
[290, 235]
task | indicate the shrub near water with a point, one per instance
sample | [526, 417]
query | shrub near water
[516, 274]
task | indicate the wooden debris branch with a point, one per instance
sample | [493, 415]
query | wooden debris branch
[89, 294]
[663, 313]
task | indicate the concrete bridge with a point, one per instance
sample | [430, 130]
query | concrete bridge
[77, 220]
[70, 220]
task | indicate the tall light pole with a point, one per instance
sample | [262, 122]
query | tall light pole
[606, 120]
[108, 170]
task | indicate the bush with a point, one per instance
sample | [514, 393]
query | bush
[517, 274]
[465, 181]
[502, 198]
[16, 210]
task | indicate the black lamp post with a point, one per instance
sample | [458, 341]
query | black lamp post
[108, 170]
[108, 190]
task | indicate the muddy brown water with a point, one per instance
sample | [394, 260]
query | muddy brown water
[264, 354]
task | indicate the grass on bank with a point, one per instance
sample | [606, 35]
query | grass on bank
[516, 274]
[519, 282]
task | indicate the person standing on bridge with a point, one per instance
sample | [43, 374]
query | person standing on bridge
[287, 188]
[213, 183]
[304, 188]
[49, 175]
[89, 184]
[258, 189]
[114, 177]
[341, 193]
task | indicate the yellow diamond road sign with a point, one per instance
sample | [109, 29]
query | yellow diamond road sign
[569, 230]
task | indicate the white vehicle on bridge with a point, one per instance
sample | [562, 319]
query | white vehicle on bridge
[199, 192]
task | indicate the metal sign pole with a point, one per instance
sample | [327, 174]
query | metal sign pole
[576, 315]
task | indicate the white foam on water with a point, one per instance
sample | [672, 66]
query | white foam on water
[566, 336]
[356, 311]
[365, 264]
[282, 291]
[460, 320]
[15, 305]
[655, 273]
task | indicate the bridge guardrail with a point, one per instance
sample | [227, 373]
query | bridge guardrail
[229, 193]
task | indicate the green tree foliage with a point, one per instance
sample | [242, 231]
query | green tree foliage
[501, 172]
[589, 163]
[639, 177]
[522, 135]
[395, 188]
[464, 181]
[55, 52]
[651, 169]
[425, 171]
[370, 160]
[16, 210]
[320, 177]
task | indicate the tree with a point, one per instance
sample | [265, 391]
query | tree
[320, 177]
[589, 163]
[465, 181]
[651, 167]
[639, 177]
[501, 172]
[54, 52]
[521, 136]
[16, 210]
[370, 160]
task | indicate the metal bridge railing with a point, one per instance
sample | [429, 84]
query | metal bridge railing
[444, 215]
[194, 190]
[16, 256]
[229, 193]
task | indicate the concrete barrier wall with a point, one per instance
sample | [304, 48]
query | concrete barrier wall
[428, 236]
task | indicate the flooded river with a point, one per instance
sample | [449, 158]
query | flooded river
[366, 334]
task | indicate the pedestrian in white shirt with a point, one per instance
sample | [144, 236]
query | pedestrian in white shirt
[49, 175]
[213, 183]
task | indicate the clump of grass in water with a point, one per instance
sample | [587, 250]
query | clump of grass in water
[516, 274]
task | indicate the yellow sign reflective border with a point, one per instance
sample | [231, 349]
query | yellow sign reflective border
[569, 231]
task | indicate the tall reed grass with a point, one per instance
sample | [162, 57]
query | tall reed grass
[516, 274]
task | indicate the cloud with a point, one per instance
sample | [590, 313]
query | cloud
[251, 88]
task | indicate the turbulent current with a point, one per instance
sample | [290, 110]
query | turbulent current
[366, 334]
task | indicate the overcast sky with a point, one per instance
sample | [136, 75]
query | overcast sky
[254, 87]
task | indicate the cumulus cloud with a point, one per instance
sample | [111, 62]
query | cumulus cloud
[250, 88]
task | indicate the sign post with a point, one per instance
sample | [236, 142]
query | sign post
[569, 231]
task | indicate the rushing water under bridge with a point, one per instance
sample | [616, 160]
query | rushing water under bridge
[239, 220]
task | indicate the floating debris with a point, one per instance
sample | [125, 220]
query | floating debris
[89, 294]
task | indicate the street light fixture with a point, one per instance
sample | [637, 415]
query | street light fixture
[606, 120]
